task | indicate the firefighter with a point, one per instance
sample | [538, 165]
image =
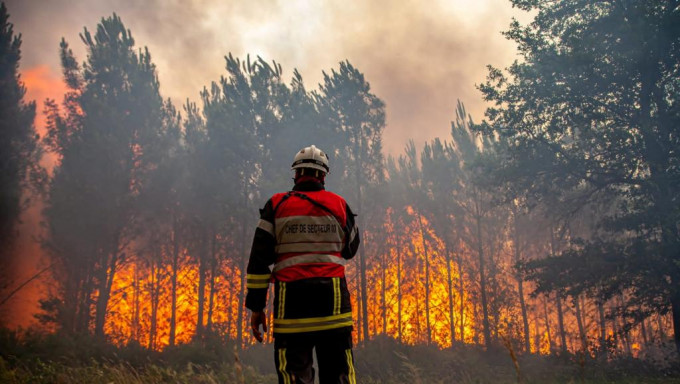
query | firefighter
[307, 234]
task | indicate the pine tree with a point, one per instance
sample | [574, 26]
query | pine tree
[107, 144]
[357, 117]
[591, 113]
[20, 150]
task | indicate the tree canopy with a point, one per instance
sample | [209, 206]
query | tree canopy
[590, 114]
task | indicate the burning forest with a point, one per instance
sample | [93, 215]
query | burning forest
[548, 229]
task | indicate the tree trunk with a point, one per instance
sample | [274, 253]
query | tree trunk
[558, 296]
[547, 323]
[202, 271]
[675, 309]
[660, 326]
[615, 329]
[399, 244]
[154, 305]
[482, 280]
[494, 304]
[417, 293]
[105, 284]
[427, 281]
[461, 290]
[230, 313]
[537, 336]
[383, 293]
[135, 311]
[213, 272]
[603, 326]
[84, 302]
[449, 282]
[242, 286]
[643, 332]
[173, 282]
[625, 330]
[560, 323]
[579, 322]
[520, 283]
[364, 289]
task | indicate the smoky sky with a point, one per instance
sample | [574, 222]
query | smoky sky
[419, 56]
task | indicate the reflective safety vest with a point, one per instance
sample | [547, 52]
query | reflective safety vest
[307, 236]
[310, 231]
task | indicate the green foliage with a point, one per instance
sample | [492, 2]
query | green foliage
[20, 151]
[589, 121]
[108, 142]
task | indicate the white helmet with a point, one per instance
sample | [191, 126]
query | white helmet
[311, 157]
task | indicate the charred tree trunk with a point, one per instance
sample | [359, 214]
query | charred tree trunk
[415, 290]
[615, 328]
[520, 282]
[643, 333]
[427, 280]
[173, 283]
[603, 326]
[537, 336]
[661, 327]
[461, 290]
[494, 304]
[213, 272]
[525, 317]
[675, 304]
[558, 299]
[359, 180]
[360, 316]
[155, 289]
[230, 314]
[383, 293]
[202, 271]
[579, 322]
[399, 244]
[449, 281]
[625, 329]
[241, 288]
[107, 274]
[364, 289]
[135, 311]
[560, 323]
[547, 322]
[83, 304]
[482, 276]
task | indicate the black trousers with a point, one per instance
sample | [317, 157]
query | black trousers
[293, 357]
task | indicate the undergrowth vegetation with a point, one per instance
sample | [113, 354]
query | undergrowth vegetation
[52, 358]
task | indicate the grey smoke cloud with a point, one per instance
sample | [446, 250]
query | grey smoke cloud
[420, 57]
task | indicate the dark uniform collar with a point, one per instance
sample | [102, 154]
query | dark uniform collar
[309, 185]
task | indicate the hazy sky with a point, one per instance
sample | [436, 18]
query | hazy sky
[419, 56]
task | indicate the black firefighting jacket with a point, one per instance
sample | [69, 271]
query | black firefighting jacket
[307, 234]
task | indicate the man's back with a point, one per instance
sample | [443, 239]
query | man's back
[307, 234]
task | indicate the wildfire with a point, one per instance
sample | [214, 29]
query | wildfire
[140, 309]
[421, 289]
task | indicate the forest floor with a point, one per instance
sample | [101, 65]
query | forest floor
[61, 359]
